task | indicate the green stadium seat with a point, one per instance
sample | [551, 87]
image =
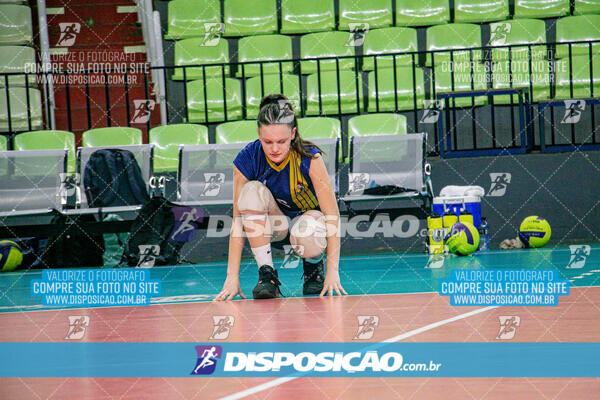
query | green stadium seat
[325, 44]
[3, 143]
[309, 128]
[574, 29]
[307, 16]
[17, 59]
[188, 18]
[375, 13]
[237, 132]
[480, 10]
[453, 36]
[384, 95]
[113, 136]
[194, 52]
[49, 140]
[245, 18]
[541, 8]
[215, 104]
[422, 13]
[377, 124]
[15, 24]
[18, 109]
[263, 48]
[581, 78]
[271, 84]
[520, 79]
[462, 81]
[329, 93]
[319, 128]
[389, 40]
[167, 139]
[586, 7]
[518, 31]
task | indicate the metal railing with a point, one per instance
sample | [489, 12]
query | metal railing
[427, 63]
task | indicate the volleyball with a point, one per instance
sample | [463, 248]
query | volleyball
[534, 231]
[11, 255]
[462, 239]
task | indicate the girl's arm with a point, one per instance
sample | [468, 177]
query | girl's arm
[328, 204]
[232, 287]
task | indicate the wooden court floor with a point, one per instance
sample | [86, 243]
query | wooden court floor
[400, 292]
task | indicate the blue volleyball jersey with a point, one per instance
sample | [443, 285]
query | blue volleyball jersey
[289, 181]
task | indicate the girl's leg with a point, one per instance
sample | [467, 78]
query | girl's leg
[263, 222]
[308, 237]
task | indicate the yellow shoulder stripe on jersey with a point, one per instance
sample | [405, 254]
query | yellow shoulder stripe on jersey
[302, 196]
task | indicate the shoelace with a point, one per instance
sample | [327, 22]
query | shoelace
[271, 277]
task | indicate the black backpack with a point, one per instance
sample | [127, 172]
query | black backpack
[112, 177]
[73, 246]
[152, 230]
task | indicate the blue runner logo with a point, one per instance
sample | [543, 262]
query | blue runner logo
[207, 359]
[187, 220]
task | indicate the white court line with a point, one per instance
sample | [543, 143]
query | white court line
[279, 381]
